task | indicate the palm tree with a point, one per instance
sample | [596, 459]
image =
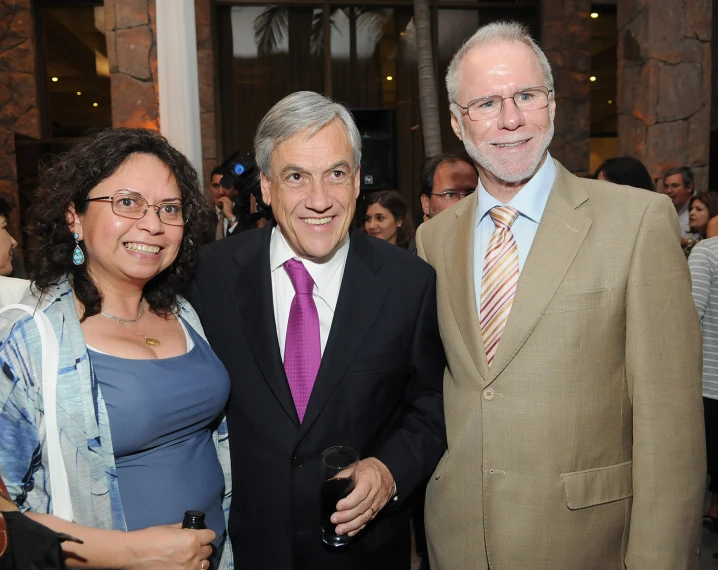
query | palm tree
[272, 25]
[428, 98]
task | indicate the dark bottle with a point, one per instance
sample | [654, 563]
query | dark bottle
[194, 520]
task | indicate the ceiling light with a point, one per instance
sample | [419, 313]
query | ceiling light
[95, 104]
[594, 15]
[56, 79]
[389, 78]
[592, 78]
[610, 101]
[79, 92]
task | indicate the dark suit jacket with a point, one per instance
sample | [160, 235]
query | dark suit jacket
[378, 390]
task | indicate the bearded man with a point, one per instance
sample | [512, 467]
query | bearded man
[572, 392]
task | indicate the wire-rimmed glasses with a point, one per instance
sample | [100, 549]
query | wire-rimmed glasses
[452, 195]
[530, 99]
[133, 206]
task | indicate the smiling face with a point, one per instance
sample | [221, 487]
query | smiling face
[313, 189]
[381, 223]
[698, 217]
[7, 244]
[510, 147]
[123, 251]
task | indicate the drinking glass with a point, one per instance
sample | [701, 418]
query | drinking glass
[339, 479]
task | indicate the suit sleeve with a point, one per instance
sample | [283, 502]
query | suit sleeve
[663, 371]
[413, 450]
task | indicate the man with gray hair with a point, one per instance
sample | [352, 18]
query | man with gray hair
[335, 343]
[573, 383]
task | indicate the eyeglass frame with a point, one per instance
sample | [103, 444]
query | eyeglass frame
[542, 87]
[110, 200]
[461, 193]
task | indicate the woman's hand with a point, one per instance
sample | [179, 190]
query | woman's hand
[170, 548]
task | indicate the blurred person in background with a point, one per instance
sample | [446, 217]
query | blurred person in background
[701, 209]
[677, 184]
[703, 263]
[117, 221]
[11, 289]
[386, 218]
[627, 171]
[7, 242]
[224, 198]
[446, 179]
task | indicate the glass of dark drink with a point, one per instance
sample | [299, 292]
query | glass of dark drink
[339, 479]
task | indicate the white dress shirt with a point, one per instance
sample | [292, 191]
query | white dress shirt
[327, 274]
[530, 203]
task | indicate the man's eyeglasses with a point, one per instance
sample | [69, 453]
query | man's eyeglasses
[134, 206]
[452, 195]
[531, 99]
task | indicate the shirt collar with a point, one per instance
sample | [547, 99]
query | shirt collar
[530, 200]
[321, 270]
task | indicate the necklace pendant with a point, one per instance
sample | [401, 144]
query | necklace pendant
[152, 341]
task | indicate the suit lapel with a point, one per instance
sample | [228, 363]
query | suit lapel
[253, 300]
[558, 239]
[360, 300]
[459, 254]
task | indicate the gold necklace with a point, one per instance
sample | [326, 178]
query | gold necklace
[148, 339]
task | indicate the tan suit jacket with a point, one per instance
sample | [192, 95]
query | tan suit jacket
[582, 447]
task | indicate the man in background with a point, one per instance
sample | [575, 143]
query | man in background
[446, 179]
[678, 185]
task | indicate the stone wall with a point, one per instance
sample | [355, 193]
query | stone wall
[664, 84]
[132, 51]
[19, 113]
[566, 40]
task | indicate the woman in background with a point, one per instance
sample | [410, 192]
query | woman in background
[140, 394]
[625, 170]
[701, 209]
[386, 218]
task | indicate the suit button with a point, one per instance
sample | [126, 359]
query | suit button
[289, 532]
[297, 461]
[489, 394]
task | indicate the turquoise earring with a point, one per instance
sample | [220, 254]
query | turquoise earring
[78, 258]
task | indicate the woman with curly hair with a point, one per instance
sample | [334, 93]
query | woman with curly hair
[140, 394]
[386, 218]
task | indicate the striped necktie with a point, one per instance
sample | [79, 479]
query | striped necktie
[499, 279]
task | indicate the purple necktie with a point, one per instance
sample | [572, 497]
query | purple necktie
[302, 348]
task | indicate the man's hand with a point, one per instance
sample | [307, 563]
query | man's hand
[226, 205]
[373, 490]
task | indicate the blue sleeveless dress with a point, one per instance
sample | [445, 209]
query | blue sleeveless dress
[160, 414]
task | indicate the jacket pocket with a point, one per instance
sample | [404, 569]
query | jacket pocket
[597, 486]
[584, 301]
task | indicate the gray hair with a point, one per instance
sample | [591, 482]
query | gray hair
[298, 112]
[494, 33]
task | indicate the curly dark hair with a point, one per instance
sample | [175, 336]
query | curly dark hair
[68, 179]
[395, 203]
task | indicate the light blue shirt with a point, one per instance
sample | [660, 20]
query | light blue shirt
[530, 203]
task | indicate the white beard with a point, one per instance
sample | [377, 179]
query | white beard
[505, 169]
